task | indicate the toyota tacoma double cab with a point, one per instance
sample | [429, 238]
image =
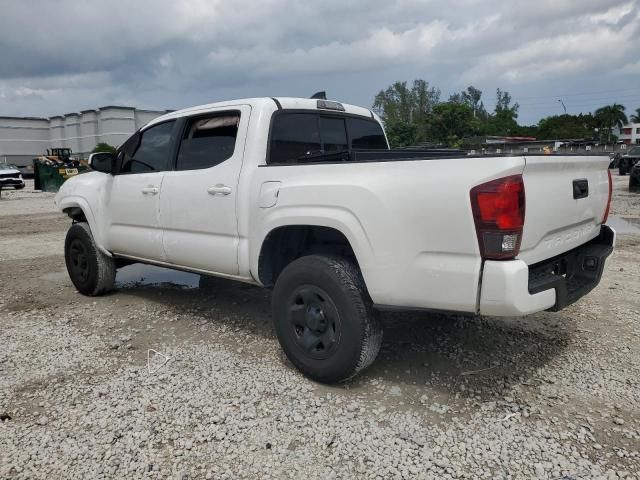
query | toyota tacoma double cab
[304, 197]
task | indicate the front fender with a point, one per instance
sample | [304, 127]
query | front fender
[66, 202]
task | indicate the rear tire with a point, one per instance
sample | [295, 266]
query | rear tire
[621, 170]
[91, 271]
[324, 318]
[634, 184]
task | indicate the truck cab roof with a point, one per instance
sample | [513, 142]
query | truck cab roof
[271, 103]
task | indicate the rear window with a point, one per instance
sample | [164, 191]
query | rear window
[301, 137]
[333, 134]
[366, 134]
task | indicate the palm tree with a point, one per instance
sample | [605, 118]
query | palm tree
[636, 118]
[611, 116]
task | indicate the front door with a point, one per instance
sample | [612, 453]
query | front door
[133, 199]
[198, 199]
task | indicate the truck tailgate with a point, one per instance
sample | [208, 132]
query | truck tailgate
[566, 198]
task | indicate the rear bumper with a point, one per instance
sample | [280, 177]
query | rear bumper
[513, 288]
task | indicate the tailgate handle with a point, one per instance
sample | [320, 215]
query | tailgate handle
[580, 188]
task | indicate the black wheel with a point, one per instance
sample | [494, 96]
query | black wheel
[324, 318]
[19, 187]
[621, 170]
[634, 184]
[91, 271]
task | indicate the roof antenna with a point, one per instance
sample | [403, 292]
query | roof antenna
[319, 95]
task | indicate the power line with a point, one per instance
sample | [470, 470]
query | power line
[582, 93]
[583, 100]
[578, 105]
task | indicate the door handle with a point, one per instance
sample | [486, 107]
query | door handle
[219, 189]
[150, 190]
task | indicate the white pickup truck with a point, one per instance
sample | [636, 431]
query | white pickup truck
[304, 196]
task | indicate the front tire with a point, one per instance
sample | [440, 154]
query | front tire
[634, 184]
[324, 318]
[91, 271]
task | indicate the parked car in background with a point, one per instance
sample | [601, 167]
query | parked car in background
[634, 178]
[628, 160]
[10, 177]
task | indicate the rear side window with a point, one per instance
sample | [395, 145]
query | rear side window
[293, 137]
[151, 153]
[208, 141]
[301, 137]
[366, 134]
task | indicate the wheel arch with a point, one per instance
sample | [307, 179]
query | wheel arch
[286, 242]
[78, 209]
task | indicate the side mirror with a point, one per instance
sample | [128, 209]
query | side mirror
[102, 162]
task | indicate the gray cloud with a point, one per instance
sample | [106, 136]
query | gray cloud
[168, 54]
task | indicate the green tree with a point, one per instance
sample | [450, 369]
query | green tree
[472, 97]
[609, 117]
[451, 122]
[103, 147]
[504, 118]
[406, 112]
[566, 126]
[635, 118]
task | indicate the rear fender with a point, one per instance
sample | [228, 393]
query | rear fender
[339, 219]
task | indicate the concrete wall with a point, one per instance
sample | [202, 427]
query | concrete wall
[22, 138]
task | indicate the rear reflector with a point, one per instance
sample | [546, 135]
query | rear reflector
[498, 212]
[606, 212]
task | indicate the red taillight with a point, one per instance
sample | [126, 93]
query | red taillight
[498, 212]
[606, 212]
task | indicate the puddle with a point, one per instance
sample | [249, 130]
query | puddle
[140, 274]
[622, 227]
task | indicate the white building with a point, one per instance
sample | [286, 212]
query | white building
[23, 138]
[630, 134]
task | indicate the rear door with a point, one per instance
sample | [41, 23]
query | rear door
[133, 196]
[566, 197]
[199, 197]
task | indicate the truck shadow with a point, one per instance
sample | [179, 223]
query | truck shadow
[455, 354]
[469, 356]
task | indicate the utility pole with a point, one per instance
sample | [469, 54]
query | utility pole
[563, 105]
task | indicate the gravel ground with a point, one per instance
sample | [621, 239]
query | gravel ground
[555, 395]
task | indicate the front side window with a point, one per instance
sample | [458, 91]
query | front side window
[208, 141]
[366, 134]
[147, 151]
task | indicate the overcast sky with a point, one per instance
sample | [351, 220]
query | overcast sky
[63, 56]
